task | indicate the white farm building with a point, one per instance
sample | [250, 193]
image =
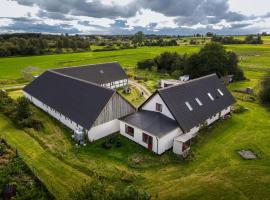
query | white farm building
[172, 116]
[82, 98]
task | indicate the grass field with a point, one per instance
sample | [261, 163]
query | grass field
[214, 171]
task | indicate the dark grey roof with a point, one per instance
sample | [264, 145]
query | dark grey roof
[152, 122]
[176, 96]
[80, 101]
[96, 73]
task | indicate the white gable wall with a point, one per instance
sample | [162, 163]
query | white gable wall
[103, 130]
[151, 106]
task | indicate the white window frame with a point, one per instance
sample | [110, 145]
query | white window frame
[220, 92]
[189, 106]
[199, 101]
[210, 96]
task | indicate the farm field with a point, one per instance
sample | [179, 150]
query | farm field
[214, 171]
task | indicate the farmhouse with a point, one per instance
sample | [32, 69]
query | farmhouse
[172, 116]
[77, 97]
[110, 75]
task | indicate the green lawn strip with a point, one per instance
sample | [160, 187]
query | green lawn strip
[57, 176]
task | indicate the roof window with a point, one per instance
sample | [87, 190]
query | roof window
[210, 96]
[220, 92]
[189, 106]
[198, 101]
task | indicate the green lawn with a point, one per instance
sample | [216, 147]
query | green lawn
[214, 171]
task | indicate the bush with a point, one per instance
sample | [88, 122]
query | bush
[265, 91]
[146, 64]
[239, 109]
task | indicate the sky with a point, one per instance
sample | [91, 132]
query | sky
[170, 17]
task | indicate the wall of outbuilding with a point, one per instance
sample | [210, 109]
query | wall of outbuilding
[160, 145]
[60, 117]
[116, 84]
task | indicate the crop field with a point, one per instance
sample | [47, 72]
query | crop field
[214, 170]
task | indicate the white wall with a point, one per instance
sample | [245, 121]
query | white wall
[94, 133]
[212, 119]
[166, 142]
[151, 106]
[103, 130]
[160, 145]
[137, 136]
[225, 111]
[66, 121]
[116, 84]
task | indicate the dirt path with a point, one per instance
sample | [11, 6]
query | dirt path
[140, 87]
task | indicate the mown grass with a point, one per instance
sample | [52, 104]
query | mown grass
[214, 171]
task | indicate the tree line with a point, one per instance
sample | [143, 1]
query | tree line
[250, 39]
[38, 44]
[212, 58]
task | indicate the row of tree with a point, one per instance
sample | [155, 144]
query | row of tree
[250, 39]
[212, 58]
[37, 44]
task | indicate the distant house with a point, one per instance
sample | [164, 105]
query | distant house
[172, 116]
[110, 75]
[82, 98]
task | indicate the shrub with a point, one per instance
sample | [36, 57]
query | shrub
[265, 91]
[146, 64]
[239, 109]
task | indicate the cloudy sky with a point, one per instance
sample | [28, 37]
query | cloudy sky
[173, 17]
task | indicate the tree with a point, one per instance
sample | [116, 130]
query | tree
[139, 37]
[265, 91]
[23, 108]
[146, 64]
[165, 61]
[213, 58]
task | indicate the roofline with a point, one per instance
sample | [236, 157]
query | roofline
[78, 79]
[190, 81]
[85, 65]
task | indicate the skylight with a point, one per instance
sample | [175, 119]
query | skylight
[211, 97]
[199, 102]
[189, 106]
[220, 92]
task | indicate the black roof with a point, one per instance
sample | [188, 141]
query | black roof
[80, 101]
[96, 73]
[175, 97]
[152, 122]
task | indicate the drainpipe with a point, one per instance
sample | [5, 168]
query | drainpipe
[157, 144]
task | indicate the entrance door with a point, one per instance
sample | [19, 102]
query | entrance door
[150, 142]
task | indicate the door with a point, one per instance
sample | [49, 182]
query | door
[150, 142]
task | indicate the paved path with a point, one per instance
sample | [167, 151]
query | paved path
[140, 87]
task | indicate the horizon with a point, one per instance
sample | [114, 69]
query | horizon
[115, 17]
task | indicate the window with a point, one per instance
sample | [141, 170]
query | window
[189, 106]
[220, 92]
[129, 130]
[199, 102]
[211, 97]
[145, 138]
[158, 107]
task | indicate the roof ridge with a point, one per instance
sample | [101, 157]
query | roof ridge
[81, 80]
[84, 65]
[184, 83]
